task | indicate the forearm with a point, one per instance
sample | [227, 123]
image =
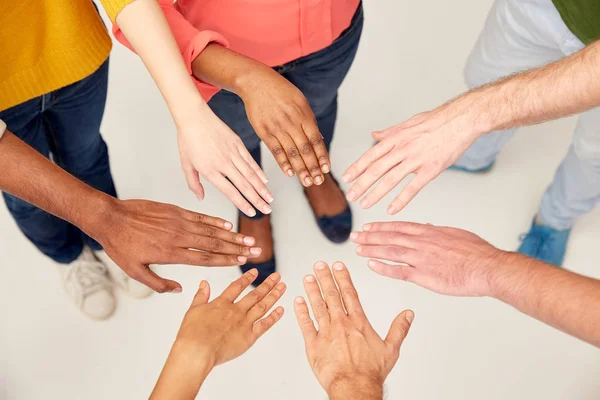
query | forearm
[562, 299]
[355, 388]
[159, 52]
[225, 68]
[565, 87]
[183, 374]
[28, 175]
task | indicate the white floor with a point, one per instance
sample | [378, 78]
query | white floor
[410, 60]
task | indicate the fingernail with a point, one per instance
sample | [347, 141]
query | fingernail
[364, 203]
[242, 259]
[253, 272]
[200, 198]
[308, 181]
[268, 197]
[227, 225]
[251, 212]
[320, 265]
[351, 196]
[318, 180]
[290, 172]
[366, 227]
[266, 209]
[202, 284]
[249, 240]
[359, 249]
[309, 278]
[391, 210]
[353, 236]
[346, 178]
[410, 316]
[299, 300]
[338, 266]
[325, 168]
[371, 264]
[255, 250]
[176, 290]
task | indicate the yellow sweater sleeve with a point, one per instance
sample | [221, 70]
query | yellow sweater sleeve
[114, 7]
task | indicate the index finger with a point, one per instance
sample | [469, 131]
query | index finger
[236, 287]
[316, 140]
[204, 219]
[370, 156]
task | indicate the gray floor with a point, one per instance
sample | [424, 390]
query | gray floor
[410, 60]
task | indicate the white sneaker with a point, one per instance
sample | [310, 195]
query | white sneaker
[86, 281]
[122, 280]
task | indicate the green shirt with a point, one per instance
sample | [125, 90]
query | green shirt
[582, 17]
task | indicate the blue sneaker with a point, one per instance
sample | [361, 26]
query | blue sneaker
[482, 170]
[545, 243]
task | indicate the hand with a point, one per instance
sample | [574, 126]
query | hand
[225, 329]
[446, 260]
[136, 233]
[346, 348]
[208, 148]
[283, 119]
[425, 145]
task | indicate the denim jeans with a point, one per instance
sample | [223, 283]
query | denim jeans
[521, 35]
[317, 75]
[64, 126]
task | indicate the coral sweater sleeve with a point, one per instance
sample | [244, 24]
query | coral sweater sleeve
[190, 40]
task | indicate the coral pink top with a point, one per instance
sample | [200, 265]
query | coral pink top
[273, 32]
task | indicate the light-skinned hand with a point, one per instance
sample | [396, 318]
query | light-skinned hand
[137, 233]
[349, 359]
[209, 149]
[446, 260]
[425, 145]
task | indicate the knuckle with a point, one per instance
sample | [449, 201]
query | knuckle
[210, 231]
[349, 292]
[331, 293]
[216, 244]
[161, 287]
[262, 307]
[316, 141]
[200, 218]
[292, 152]
[320, 307]
[315, 170]
[305, 148]
[277, 151]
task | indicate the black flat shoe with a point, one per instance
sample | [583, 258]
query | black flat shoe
[336, 228]
[264, 269]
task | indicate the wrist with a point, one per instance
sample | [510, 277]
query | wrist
[194, 356]
[502, 274]
[97, 210]
[355, 388]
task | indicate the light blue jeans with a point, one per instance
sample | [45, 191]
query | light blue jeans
[521, 35]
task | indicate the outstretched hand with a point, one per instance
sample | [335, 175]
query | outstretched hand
[348, 357]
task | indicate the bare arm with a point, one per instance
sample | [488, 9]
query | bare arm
[134, 233]
[430, 142]
[278, 111]
[459, 263]
[559, 298]
[215, 332]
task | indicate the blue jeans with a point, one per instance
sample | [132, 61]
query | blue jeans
[317, 75]
[64, 126]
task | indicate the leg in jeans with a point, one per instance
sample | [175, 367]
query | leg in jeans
[319, 75]
[517, 36]
[53, 236]
[73, 121]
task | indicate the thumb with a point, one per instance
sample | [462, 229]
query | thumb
[399, 329]
[380, 135]
[203, 294]
[160, 285]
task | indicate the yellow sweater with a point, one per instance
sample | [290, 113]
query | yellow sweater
[49, 44]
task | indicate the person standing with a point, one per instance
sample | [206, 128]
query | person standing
[553, 42]
[281, 66]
